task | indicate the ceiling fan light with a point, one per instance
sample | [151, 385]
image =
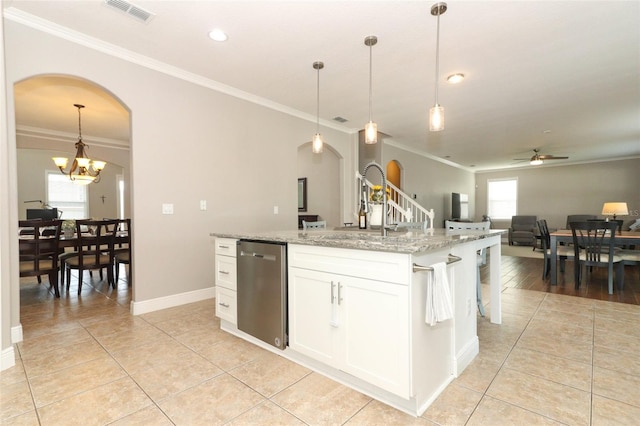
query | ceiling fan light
[436, 118]
[536, 161]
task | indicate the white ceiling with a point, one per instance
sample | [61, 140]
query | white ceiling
[560, 76]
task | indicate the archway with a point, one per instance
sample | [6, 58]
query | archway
[394, 176]
[47, 125]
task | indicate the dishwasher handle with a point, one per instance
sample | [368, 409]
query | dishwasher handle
[258, 255]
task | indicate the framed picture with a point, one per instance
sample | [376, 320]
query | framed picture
[302, 194]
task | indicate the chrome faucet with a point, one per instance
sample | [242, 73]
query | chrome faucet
[383, 226]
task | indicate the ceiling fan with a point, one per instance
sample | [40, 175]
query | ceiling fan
[538, 158]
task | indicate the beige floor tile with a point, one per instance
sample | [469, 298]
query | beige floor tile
[231, 354]
[15, 399]
[377, 413]
[163, 380]
[583, 307]
[269, 373]
[213, 402]
[622, 387]
[550, 399]
[13, 375]
[613, 359]
[612, 325]
[29, 418]
[43, 328]
[131, 338]
[164, 351]
[565, 318]
[616, 341]
[561, 346]
[52, 341]
[150, 415]
[454, 406]
[562, 370]
[65, 383]
[266, 413]
[61, 358]
[607, 411]
[494, 412]
[569, 300]
[478, 375]
[98, 406]
[202, 341]
[318, 400]
[116, 325]
[560, 330]
[185, 324]
[168, 314]
[618, 310]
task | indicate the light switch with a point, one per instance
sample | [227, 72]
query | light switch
[167, 209]
[203, 204]
[275, 209]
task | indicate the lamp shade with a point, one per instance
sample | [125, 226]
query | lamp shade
[615, 208]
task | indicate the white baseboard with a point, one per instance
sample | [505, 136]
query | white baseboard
[16, 334]
[466, 355]
[146, 306]
[7, 358]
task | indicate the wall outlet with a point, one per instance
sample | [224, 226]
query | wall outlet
[167, 209]
[275, 209]
[468, 307]
[203, 204]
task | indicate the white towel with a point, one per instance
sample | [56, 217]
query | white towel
[438, 303]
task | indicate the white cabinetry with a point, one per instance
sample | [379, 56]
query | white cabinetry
[350, 310]
[226, 280]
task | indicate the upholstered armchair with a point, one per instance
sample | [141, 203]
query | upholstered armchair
[522, 230]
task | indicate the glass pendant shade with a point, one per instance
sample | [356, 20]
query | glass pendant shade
[317, 144]
[436, 118]
[371, 133]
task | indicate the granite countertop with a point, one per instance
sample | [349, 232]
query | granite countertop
[353, 238]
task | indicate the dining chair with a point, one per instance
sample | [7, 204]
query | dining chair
[594, 246]
[122, 253]
[94, 250]
[320, 224]
[563, 252]
[39, 251]
[481, 258]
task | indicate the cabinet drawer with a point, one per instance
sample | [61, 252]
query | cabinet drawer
[226, 246]
[367, 264]
[226, 272]
[226, 304]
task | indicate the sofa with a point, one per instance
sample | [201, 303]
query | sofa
[523, 230]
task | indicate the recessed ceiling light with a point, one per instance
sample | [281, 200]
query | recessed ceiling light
[455, 78]
[218, 35]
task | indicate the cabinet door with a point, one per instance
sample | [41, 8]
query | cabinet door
[375, 332]
[312, 311]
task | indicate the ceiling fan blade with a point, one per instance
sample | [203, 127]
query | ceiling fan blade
[552, 157]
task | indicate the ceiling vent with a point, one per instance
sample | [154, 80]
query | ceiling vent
[130, 9]
[340, 119]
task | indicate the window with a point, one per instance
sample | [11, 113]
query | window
[502, 198]
[69, 198]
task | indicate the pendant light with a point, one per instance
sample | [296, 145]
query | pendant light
[317, 143]
[83, 170]
[436, 113]
[371, 128]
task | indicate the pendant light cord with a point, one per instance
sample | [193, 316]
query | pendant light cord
[437, 54]
[370, 79]
[318, 104]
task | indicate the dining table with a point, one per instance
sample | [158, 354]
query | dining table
[621, 238]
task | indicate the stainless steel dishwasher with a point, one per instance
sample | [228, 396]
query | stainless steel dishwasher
[262, 290]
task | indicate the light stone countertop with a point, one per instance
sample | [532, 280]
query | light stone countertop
[414, 241]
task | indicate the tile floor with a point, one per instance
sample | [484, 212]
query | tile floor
[85, 360]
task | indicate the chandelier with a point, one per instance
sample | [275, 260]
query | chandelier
[83, 170]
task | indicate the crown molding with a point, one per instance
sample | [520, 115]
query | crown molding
[32, 21]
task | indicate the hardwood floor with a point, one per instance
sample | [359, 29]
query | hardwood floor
[526, 273]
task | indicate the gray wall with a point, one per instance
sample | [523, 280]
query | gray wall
[553, 192]
[432, 182]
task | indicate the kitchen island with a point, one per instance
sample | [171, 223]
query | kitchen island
[356, 307]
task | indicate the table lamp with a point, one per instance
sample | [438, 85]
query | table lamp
[614, 208]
